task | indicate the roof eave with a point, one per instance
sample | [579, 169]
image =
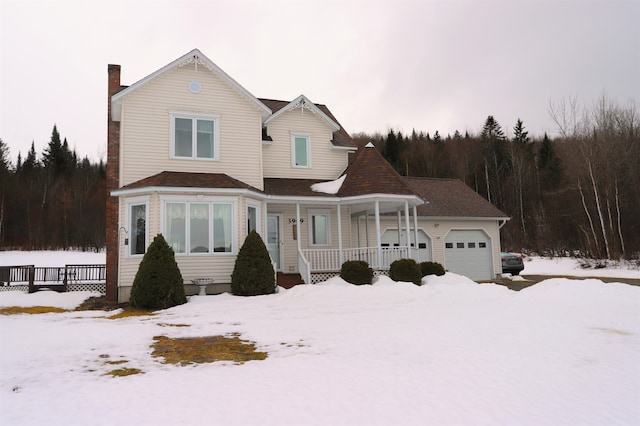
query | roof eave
[188, 190]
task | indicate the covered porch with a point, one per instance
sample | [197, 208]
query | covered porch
[353, 233]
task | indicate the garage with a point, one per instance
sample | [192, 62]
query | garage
[390, 239]
[468, 252]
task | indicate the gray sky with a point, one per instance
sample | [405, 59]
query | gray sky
[428, 65]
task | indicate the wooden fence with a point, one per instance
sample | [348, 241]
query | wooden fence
[62, 279]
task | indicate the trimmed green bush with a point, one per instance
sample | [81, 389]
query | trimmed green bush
[158, 283]
[405, 270]
[356, 272]
[253, 272]
[431, 268]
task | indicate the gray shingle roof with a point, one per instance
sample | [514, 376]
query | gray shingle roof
[451, 197]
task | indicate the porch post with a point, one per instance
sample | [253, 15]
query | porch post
[398, 217]
[379, 240]
[298, 226]
[415, 226]
[406, 221]
[366, 228]
[340, 254]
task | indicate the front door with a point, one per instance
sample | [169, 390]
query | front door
[274, 238]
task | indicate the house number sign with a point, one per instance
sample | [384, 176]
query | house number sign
[293, 220]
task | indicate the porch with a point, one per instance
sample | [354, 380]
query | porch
[316, 265]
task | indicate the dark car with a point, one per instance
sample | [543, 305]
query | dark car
[511, 263]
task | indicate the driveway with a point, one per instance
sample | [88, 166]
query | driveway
[535, 279]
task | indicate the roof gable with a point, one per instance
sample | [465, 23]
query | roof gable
[303, 103]
[194, 57]
[370, 173]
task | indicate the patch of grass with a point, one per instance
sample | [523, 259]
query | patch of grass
[121, 361]
[131, 312]
[99, 303]
[122, 372]
[14, 310]
[164, 324]
[198, 350]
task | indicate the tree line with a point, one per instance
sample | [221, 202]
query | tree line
[53, 200]
[575, 194]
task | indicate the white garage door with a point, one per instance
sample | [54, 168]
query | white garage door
[390, 239]
[468, 252]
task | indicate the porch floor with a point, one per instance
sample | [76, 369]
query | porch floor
[289, 280]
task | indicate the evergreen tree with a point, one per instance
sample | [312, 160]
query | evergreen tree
[253, 272]
[57, 157]
[392, 149]
[549, 165]
[519, 134]
[158, 283]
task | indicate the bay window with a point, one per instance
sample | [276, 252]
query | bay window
[199, 227]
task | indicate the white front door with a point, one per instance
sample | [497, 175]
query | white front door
[274, 238]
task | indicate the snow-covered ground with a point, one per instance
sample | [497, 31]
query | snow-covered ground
[450, 352]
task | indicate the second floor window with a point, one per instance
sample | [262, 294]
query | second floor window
[194, 137]
[300, 151]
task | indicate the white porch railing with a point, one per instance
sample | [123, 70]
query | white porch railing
[304, 268]
[320, 260]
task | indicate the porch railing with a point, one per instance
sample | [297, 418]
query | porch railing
[304, 268]
[329, 259]
[54, 278]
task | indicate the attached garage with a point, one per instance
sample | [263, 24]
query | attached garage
[468, 252]
[391, 238]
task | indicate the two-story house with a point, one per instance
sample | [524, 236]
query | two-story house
[196, 157]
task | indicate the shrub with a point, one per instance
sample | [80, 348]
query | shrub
[431, 268]
[405, 270]
[158, 283]
[356, 272]
[253, 272]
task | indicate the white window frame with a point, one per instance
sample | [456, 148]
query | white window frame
[258, 217]
[307, 137]
[194, 135]
[319, 212]
[211, 203]
[129, 232]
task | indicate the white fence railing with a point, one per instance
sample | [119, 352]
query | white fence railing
[304, 268]
[329, 259]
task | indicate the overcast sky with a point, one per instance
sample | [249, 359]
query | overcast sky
[428, 65]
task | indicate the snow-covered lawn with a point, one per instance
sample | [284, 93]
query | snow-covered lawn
[450, 352]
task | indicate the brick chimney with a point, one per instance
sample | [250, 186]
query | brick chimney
[113, 182]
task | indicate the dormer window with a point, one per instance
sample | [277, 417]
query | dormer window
[300, 150]
[194, 137]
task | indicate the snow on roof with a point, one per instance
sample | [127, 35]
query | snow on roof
[331, 187]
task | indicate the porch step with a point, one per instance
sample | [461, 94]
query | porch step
[289, 280]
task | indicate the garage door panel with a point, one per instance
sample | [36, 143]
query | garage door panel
[468, 252]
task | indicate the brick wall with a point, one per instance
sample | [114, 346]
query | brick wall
[113, 182]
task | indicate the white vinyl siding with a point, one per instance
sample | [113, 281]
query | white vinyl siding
[325, 161]
[146, 134]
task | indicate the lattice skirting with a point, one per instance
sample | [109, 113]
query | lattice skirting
[99, 287]
[318, 277]
[20, 287]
